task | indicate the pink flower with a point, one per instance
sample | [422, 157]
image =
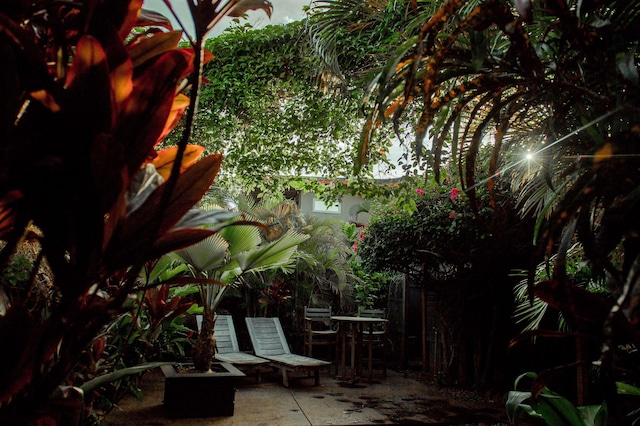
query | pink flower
[454, 193]
[453, 215]
[355, 246]
[420, 191]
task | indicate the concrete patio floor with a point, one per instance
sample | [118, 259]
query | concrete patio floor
[398, 399]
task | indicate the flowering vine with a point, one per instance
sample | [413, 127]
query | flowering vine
[454, 193]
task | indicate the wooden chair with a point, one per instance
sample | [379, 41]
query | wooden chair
[228, 350]
[319, 330]
[269, 342]
[378, 335]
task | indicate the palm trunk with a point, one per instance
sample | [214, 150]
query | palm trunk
[205, 347]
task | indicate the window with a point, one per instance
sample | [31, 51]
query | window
[320, 207]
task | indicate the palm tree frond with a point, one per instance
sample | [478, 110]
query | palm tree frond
[207, 254]
[273, 254]
[241, 238]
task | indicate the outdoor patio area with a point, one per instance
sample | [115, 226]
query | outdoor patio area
[401, 398]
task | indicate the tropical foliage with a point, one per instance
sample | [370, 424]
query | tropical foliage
[463, 258]
[535, 314]
[151, 331]
[552, 408]
[371, 288]
[321, 274]
[440, 229]
[221, 261]
[262, 107]
[84, 104]
[556, 80]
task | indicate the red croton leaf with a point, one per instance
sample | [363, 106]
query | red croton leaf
[8, 205]
[156, 298]
[121, 84]
[88, 84]
[97, 347]
[191, 186]
[131, 18]
[146, 111]
[161, 307]
[142, 235]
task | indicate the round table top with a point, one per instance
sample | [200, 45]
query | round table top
[357, 319]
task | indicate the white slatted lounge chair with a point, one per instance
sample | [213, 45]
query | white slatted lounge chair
[229, 351]
[269, 342]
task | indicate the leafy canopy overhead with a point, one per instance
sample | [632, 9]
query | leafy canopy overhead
[262, 106]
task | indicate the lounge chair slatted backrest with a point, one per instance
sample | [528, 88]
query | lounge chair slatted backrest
[225, 334]
[269, 342]
[228, 350]
[268, 338]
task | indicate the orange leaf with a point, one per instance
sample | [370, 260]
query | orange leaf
[46, 99]
[191, 186]
[393, 107]
[166, 157]
[206, 56]
[122, 83]
[145, 113]
[130, 18]
[89, 53]
[180, 103]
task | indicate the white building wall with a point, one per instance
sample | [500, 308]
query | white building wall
[310, 205]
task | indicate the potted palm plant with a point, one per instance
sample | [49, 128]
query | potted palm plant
[217, 264]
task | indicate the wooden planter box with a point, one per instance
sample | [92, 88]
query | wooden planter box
[200, 394]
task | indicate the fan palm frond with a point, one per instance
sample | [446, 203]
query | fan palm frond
[207, 254]
[241, 238]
